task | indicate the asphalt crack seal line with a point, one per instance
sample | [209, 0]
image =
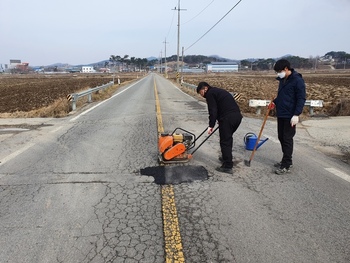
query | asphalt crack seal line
[172, 237]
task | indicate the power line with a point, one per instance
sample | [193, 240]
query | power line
[199, 12]
[214, 25]
[172, 20]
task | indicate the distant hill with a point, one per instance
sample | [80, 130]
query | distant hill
[152, 58]
[222, 58]
[192, 59]
[59, 65]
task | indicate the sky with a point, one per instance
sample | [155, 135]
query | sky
[44, 32]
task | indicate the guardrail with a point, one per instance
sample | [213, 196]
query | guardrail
[235, 95]
[263, 103]
[194, 87]
[73, 97]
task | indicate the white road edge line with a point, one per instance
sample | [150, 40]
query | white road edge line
[16, 153]
[338, 173]
[115, 95]
[57, 129]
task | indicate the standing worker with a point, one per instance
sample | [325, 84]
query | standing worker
[289, 103]
[223, 108]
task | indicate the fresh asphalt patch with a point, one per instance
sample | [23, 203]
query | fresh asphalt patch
[176, 174]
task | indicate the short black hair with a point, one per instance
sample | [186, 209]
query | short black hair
[281, 65]
[202, 85]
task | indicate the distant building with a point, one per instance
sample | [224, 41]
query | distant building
[16, 66]
[87, 69]
[104, 70]
[192, 70]
[3, 67]
[14, 63]
[73, 70]
[222, 67]
[22, 67]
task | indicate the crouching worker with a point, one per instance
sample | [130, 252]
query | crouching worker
[222, 108]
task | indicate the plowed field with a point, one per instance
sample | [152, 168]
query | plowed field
[25, 93]
[31, 92]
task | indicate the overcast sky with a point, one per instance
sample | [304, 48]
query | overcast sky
[44, 32]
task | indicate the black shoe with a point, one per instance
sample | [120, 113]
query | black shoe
[278, 165]
[283, 170]
[224, 170]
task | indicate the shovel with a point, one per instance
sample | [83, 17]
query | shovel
[247, 162]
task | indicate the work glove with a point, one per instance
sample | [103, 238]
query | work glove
[294, 120]
[210, 130]
[271, 105]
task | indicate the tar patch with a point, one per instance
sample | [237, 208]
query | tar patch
[176, 174]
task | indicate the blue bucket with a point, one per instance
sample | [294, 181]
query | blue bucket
[250, 141]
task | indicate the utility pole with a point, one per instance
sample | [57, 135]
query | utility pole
[178, 40]
[166, 71]
[182, 66]
[161, 58]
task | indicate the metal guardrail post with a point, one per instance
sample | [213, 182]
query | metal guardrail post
[312, 104]
[74, 101]
[311, 110]
[258, 110]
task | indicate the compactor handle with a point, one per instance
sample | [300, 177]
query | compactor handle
[204, 139]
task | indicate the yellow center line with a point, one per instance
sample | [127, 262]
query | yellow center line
[172, 237]
[159, 115]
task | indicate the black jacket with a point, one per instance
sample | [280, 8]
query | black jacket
[220, 103]
[291, 96]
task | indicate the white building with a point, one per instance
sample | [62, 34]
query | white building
[87, 69]
[14, 63]
[3, 67]
[222, 67]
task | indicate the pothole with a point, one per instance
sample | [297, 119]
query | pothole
[176, 174]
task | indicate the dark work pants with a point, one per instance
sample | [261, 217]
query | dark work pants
[227, 126]
[285, 135]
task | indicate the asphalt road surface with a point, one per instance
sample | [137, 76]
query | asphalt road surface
[71, 189]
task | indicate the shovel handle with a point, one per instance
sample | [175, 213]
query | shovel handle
[259, 136]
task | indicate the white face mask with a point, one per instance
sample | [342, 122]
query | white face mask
[281, 74]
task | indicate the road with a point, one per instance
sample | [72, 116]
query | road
[71, 190]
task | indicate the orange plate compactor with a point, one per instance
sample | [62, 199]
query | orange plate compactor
[174, 147]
